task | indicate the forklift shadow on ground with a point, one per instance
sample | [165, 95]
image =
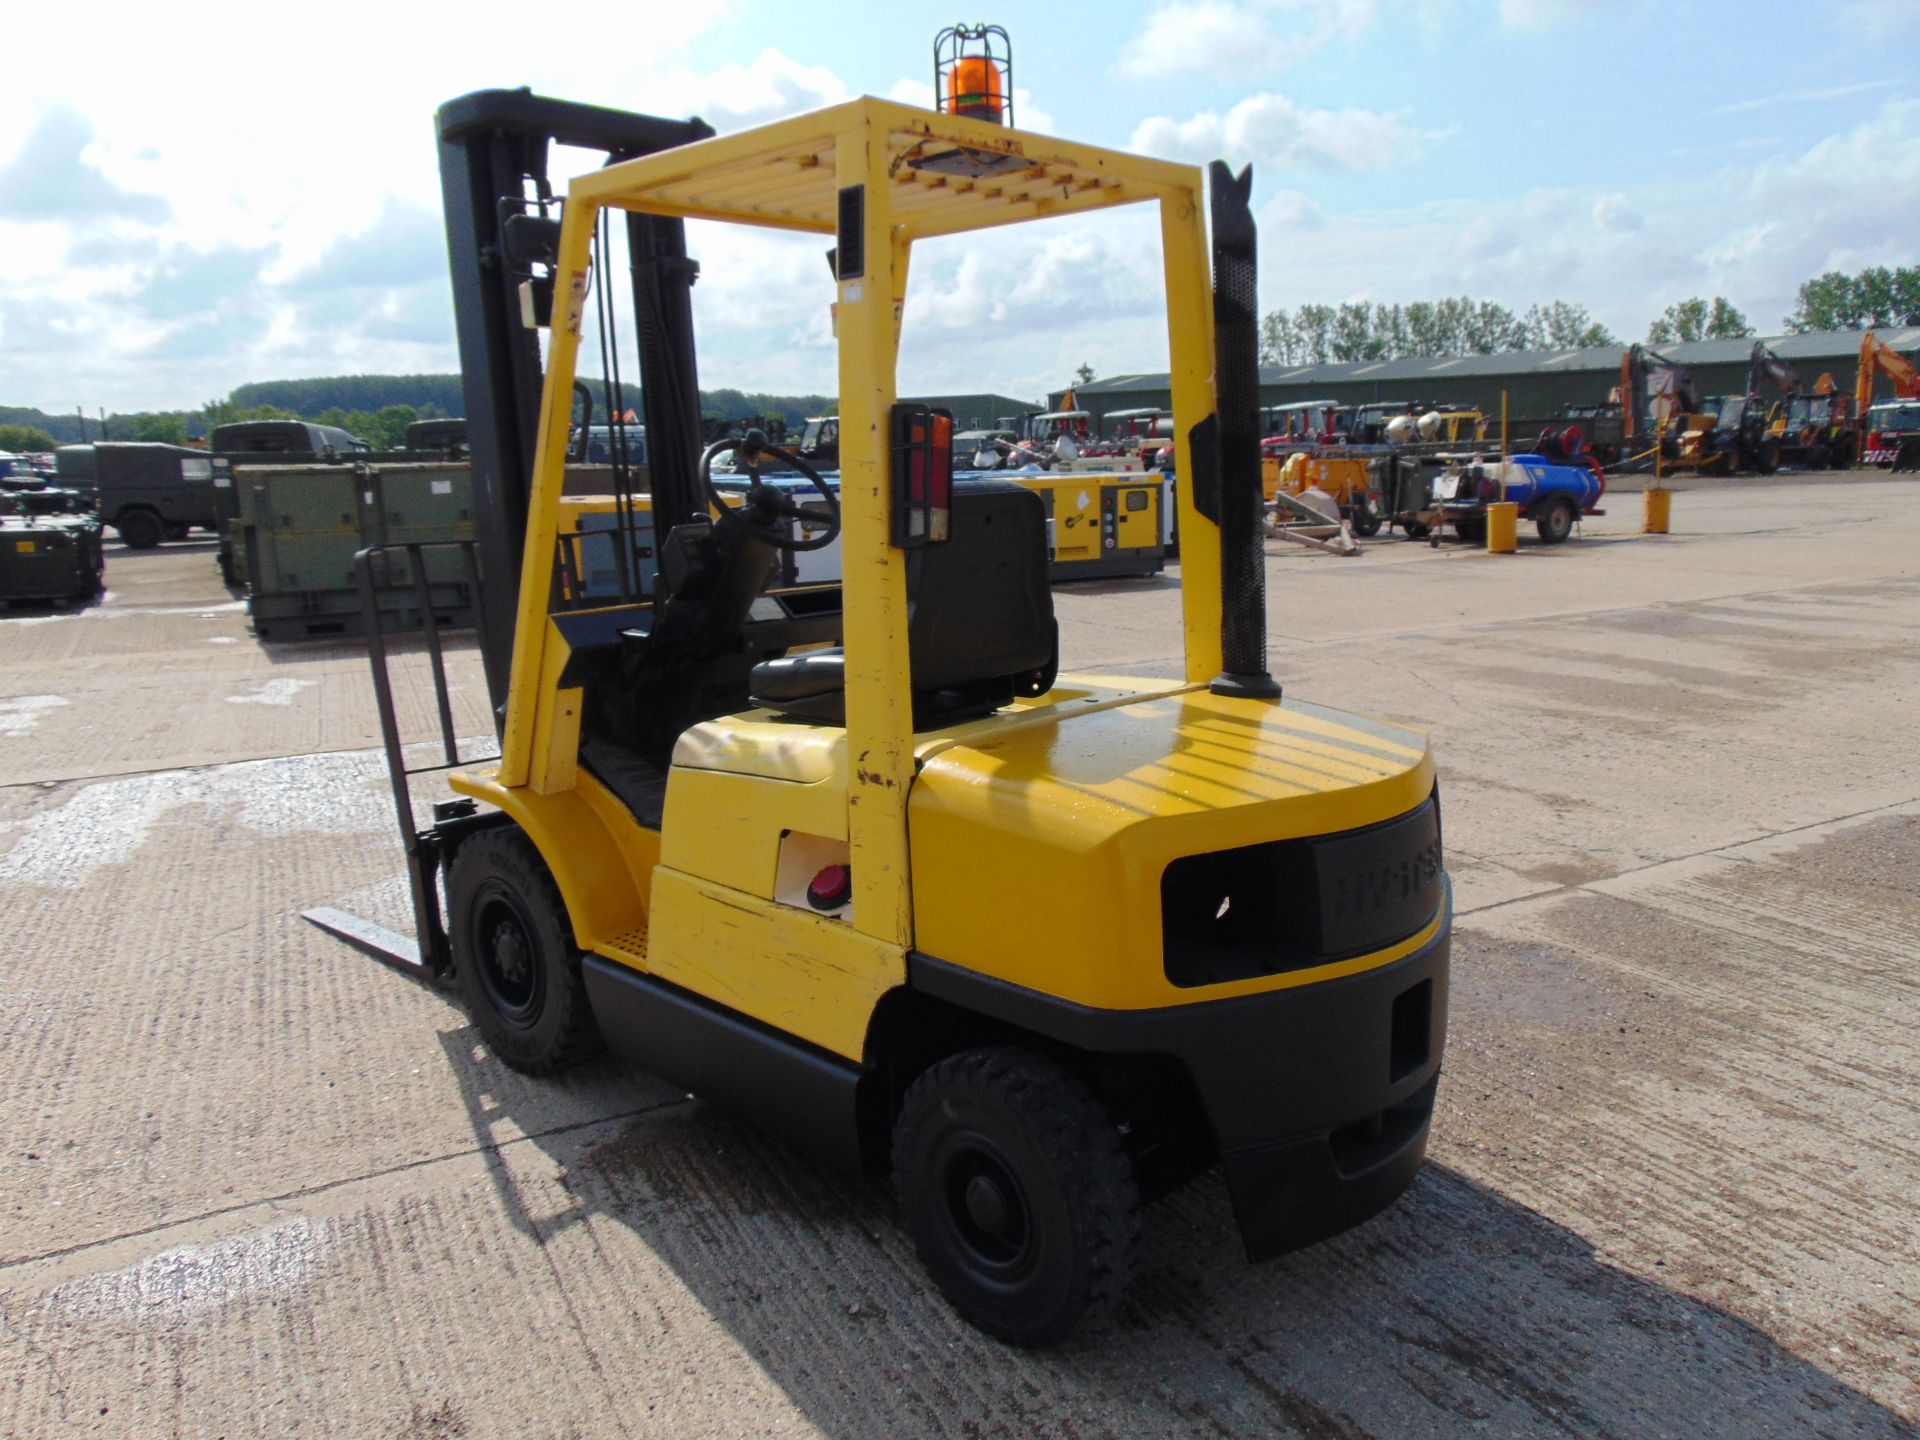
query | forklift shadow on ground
[1458, 1312]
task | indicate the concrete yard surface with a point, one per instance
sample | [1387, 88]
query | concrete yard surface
[254, 1183]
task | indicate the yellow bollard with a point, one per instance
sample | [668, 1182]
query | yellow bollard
[1659, 510]
[1503, 524]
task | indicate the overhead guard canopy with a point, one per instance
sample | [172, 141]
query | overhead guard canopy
[785, 174]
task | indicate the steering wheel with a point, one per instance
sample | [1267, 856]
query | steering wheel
[766, 506]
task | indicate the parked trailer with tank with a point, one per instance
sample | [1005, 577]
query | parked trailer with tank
[1551, 493]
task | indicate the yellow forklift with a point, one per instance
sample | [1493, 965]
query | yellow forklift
[855, 859]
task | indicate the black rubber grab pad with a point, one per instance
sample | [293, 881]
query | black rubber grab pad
[1236, 339]
[851, 251]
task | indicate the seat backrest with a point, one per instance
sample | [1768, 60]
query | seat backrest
[980, 607]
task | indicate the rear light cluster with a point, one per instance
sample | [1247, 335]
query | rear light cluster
[922, 476]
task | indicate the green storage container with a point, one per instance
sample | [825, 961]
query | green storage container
[50, 557]
[300, 526]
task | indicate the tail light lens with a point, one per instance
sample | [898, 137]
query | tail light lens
[922, 476]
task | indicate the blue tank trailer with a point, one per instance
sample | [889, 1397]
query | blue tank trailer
[1553, 487]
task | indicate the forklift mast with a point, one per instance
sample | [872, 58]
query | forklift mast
[502, 221]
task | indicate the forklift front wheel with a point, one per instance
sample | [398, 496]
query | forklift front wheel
[1021, 1201]
[514, 961]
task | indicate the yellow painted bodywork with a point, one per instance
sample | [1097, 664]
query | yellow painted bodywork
[1027, 844]
[1038, 850]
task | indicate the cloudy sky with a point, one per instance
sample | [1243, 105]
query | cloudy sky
[196, 196]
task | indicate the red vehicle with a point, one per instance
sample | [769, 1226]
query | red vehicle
[1887, 424]
[1883, 425]
[1304, 422]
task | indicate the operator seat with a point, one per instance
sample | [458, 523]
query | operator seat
[980, 623]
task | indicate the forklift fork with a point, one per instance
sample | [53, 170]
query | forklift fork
[427, 958]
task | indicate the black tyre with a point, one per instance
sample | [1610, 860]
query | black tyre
[1818, 458]
[1364, 519]
[1768, 459]
[139, 529]
[1471, 532]
[1019, 1198]
[1555, 523]
[1416, 531]
[1843, 453]
[514, 960]
[175, 530]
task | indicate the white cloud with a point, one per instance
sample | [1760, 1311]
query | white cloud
[1529, 13]
[1290, 210]
[1796, 97]
[1751, 233]
[1274, 131]
[735, 96]
[1219, 37]
[1879, 20]
[1616, 212]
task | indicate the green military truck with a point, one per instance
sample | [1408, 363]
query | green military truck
[445, 438]
[147, 491]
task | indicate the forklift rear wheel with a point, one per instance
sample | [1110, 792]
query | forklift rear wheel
[1021, 1202]
[514, 960]
[139, 529]
[1556, 522]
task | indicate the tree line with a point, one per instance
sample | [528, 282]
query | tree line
[1460, 325]
[377, 408]
[1873, 298]
[1457, 325]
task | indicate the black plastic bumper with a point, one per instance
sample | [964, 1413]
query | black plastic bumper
[1319, 1097]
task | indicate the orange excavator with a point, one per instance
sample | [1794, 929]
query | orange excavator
[1878, 442]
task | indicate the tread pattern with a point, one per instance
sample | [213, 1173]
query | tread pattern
[1071, 1128]
[509, 855]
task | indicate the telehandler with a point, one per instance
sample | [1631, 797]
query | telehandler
[854, 858]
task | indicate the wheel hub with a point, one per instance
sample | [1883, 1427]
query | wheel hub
[510, 953]
[989, 1207]
[988, 1212]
